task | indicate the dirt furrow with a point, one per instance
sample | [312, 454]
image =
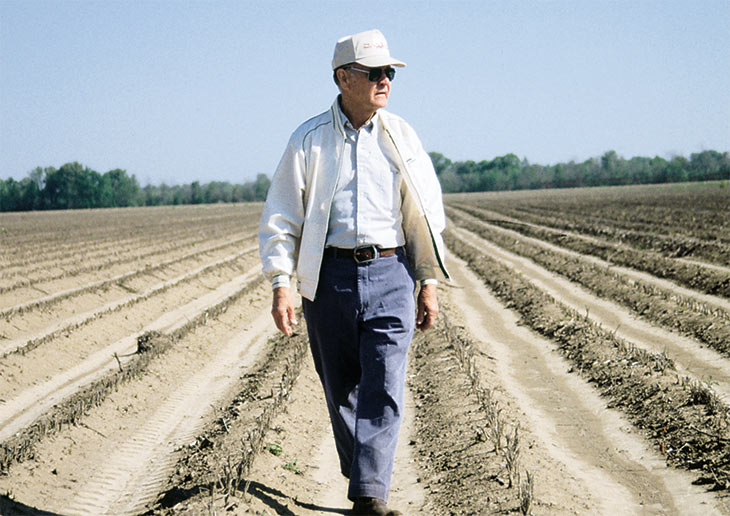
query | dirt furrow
[33, 233]
[674, 220]
[22, 406]
[684, 418]
[30, 340]
[119, 456]
[665, 308]
[110, 261]
[571, 430]
[305, 479]
[97, 275]
[692, 359]
[66, 350]
[139, 467]
[100, 248]
[296, 470]
[697, 263]
[637, 275]
[67, 259]
[9, 304]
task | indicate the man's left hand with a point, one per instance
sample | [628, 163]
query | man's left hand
[428, 307]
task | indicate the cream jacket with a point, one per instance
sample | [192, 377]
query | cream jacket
[293, 226]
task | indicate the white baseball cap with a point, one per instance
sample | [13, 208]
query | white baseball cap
[367, 48]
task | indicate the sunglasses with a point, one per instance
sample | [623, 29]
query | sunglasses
[374, 74]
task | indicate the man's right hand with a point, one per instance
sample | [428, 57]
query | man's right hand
[282, 310]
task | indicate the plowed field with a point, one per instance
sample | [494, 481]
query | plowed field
[580, 365]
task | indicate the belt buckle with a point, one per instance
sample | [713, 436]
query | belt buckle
[358, 252]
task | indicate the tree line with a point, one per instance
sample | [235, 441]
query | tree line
[74, 186]
[510, 173]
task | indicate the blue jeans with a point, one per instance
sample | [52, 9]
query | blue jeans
[360, 327]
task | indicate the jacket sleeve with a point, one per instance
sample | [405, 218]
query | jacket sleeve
[283, 215]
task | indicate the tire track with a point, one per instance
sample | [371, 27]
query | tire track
[132, 477]
[20, 411]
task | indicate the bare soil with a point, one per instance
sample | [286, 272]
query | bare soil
[206, 410]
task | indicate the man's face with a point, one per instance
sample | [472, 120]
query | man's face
[358, 91]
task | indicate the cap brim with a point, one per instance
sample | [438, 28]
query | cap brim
[376, 61]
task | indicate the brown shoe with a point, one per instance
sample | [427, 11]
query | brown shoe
[373, 507]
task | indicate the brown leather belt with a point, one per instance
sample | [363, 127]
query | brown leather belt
[363, 254]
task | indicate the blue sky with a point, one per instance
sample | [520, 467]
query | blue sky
[179, 91]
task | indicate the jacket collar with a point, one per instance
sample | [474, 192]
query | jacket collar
[336, 112]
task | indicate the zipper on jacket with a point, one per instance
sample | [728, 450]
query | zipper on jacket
[419, 200]
[332, 198]
[339, 165]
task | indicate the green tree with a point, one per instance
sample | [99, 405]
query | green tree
[261, 187]
[38, 176]
[122, 189]
[677, 170]
[29, 195]
[196, 193]
[706, 165]
[60, 192]
[9, 195]
[614, 169]
[440, 162]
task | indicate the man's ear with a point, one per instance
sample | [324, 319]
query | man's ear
[344, 77]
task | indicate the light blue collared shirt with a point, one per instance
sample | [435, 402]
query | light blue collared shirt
[366, 208]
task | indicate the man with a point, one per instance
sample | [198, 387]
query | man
[355, 209]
